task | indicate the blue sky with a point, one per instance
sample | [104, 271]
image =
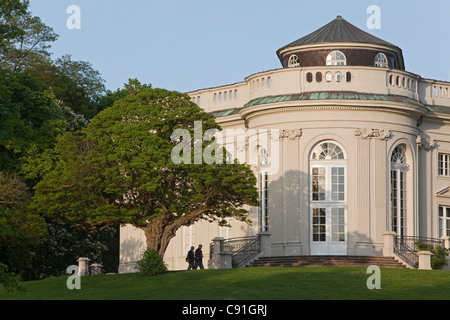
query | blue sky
[187, 45]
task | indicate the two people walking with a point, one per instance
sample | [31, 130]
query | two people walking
[195, 258]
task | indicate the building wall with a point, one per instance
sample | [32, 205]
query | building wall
[132, 242]
[368, 130]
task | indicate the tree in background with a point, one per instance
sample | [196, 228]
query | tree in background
[21, 229]
[31, 40]
[119, 170]
[30, 118]
[9, 31]
[41, 99]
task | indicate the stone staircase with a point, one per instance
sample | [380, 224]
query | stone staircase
[327, 261]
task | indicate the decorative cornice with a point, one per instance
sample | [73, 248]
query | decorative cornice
[330, 105]
[366, 133]
[426, 144]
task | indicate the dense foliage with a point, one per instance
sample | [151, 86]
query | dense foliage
[120, 170]
[151, 264]
[40, 100]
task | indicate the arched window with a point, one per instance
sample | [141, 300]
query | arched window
[263, 198]
[263, 189]
[293, 61]
[328, 199]
[328, 151]
[399, 169]
[381, 60]
[398, 155]
[336, 58]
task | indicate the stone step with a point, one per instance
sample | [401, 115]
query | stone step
[327, 261]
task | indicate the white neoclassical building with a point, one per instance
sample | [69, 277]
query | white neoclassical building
[350, 148]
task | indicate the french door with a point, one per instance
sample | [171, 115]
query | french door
[328, 231]
[328, 206]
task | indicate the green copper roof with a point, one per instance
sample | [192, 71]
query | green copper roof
[223, 113]
[327, 95]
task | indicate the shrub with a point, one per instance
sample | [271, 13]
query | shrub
[151, 263]
[9, 280]
[438, 259]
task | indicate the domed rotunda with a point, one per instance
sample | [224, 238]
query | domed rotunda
[352, 155]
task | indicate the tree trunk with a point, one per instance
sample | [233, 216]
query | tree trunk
[160, 230]
[154, 231]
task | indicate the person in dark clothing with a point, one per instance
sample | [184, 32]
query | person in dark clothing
[199, 257]
[191, 258]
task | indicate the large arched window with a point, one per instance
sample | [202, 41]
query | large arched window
[336, 58]
[399, 169]
[381, 60]
[328, 199]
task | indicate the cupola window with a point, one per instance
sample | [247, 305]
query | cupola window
[336, 58]
[381, 60]
[293, 61]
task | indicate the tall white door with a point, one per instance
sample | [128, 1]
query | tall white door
[328, 206]
[329, 236]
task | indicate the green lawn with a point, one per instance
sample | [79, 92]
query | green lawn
[246, 284]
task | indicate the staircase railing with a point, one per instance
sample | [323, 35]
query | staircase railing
[407, 247]
[243, 249]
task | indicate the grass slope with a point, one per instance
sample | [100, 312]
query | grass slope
[245, 284]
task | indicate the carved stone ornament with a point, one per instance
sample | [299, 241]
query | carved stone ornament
[426, 144]
[291, 134]
[366, 133]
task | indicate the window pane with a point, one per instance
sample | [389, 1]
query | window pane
[381, 60]
[444, 164]
[336, 58]
[319, 224]
[337, 184]
[318, 184]
[337, 224]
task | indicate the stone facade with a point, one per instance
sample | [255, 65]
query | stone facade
[390, 127]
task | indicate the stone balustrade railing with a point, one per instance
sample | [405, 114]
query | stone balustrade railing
[319, 79]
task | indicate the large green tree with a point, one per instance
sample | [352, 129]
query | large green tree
[119, 170]
[40, 99]
[20, 228]
[30, 118]
[25, 37]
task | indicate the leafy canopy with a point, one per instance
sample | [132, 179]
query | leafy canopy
[119, 170]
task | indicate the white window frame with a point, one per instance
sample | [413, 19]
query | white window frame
[328, 204]
[398, 188]
[188, 232]
[224, 231]
[444, 220]
[293, 61]
[336, 58]
[444, 164]
[263, 209]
